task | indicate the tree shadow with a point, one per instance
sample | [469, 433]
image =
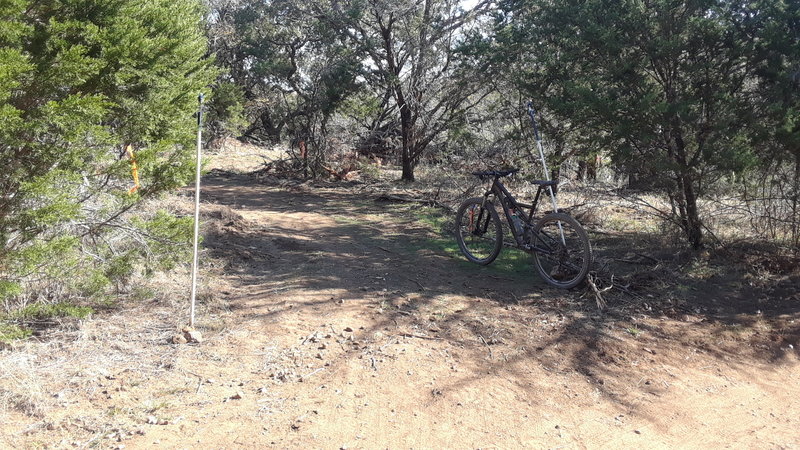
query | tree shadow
[350, 248]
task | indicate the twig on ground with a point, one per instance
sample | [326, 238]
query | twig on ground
[491, 354]
[598, 293]
[393, 198]
[418, 283]
[419, 336]
[312, 373]
[648, 257]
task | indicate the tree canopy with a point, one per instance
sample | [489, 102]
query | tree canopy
[666, 86]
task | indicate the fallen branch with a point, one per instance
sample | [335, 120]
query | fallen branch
[421, 337]
[392, 198]
[648, 257]
[418, 283]
[598, 293]
[341, 175]
[305, 377]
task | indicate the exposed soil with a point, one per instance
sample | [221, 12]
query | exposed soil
[332, 321]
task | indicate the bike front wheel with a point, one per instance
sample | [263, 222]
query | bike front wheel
[479, 232]
[562, 253]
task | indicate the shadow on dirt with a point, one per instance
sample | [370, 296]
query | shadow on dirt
[337, 245]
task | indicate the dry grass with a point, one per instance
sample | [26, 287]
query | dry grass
[67, 366]
[237, 156]
[117, 355]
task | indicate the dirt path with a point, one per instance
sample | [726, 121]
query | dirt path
[343, 326]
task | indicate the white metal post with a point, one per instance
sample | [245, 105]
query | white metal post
[547, 174]
[196, 208]
[532, 113]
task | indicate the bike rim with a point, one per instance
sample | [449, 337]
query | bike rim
[561, 264]
[477, 233]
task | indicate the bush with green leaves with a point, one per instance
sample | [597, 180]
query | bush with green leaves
[681, 94]
[80, 80]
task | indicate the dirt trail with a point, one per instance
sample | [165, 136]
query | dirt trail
[400, 346]
[345, 328]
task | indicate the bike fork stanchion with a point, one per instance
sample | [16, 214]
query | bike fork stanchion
[532, 115]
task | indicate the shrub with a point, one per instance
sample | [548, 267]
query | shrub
[80, 81]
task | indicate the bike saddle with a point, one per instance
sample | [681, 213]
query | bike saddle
[495, 173]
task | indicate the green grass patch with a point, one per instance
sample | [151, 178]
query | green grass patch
[10, 332]
[433, 217]
[514, 261]
[41, 311]
[633, 331]
[510, 261]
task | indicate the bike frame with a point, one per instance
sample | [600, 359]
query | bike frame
[509, 204]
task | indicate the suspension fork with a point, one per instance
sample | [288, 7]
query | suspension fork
[485, 226]
[488, 193]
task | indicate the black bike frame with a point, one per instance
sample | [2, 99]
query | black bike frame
[509, 204]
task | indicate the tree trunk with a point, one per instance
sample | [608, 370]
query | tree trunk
[304, 157]
[408, 169]
[272, 130]
[795, 238]
[591, 168]
[693, 226]
[580, 172]
[406, 119]
[407, 130]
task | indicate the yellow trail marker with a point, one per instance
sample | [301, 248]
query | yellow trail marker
[134, 169]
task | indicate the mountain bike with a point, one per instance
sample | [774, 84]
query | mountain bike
[560, 246]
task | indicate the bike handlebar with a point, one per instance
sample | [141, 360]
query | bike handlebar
[495, 173]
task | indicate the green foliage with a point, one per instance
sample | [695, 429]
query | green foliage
[94, 283]
[40, 311]
[775, 189]
[284, 62]
[226, 115]
[169, 237]
[79, 81]
[362, 107]
[385, 65]
[9, 289]
[408, 59]
[10, 324]
[633, 331]
[665, 87]
[11, 332]
[37, 257]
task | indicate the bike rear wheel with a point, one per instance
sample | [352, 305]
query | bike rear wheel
[562, 252]
[479, 232]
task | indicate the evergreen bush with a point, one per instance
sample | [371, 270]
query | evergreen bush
[80, 81]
